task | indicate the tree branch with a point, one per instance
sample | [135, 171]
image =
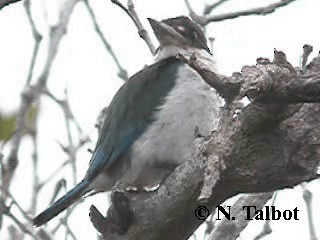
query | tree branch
[227, 229]
[264, 146]
[204, 20]
[210, 7]
[307, 197]
[266, 227]
[123, 74]
[32, 92]
[37, 38]
[131, 12]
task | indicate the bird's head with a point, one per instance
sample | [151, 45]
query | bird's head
[179, 32]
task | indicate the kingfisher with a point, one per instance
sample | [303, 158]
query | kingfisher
[149, 127]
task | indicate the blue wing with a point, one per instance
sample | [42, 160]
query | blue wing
[131, 112]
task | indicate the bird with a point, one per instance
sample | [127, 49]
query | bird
[149, 127]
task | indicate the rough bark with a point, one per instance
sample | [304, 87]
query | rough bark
[272, 143]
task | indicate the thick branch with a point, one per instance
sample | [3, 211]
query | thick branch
[262, 147]
[227, 87]
[284, 84]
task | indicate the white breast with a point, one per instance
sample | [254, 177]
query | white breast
[190, 104]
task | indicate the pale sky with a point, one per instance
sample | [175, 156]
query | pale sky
[87, 70]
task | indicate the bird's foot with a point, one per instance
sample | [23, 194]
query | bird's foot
[147, 189]
[151, 188]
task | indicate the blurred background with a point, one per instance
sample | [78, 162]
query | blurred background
[84, 73]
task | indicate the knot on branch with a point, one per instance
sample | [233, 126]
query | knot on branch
[268, 81]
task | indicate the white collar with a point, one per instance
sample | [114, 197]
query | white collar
[172, 51]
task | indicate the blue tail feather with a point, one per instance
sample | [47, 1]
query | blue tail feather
[61, 204]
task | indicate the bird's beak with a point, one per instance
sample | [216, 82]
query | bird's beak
[166, 34]
[206, 48]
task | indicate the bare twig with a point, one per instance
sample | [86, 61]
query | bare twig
[59, 185]
[32, 93]
[5, 210]
[14, 233]
[72, 148]
[35, 175]
[63, 220]
[68, 229]
[135, 18]
[190, 9]
[204, 20]
[15, 202]
[210, 7]
[35, 188]
[21, 225]
[33, 128]
[307, 197]
[65, 107]
[227, 229]
[122, 72]
[44, 235]
[37, 38]
[53, 174]
[266, 230]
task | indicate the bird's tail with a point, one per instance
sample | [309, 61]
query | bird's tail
[61, 204]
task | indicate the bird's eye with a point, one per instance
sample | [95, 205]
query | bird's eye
[181, 28]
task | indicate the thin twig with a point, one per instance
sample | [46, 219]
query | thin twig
[135, 18]
[64, 105]
[72, 151]
[53, 174]
[123, 74]
[68, 230]
[204, 20]
[35, 175]
[31, 93]
[266, 229]
[59, 185]
[307, 197]
[210, 7]
[72, 148]
[6, 210]
[21, 225]
[37, 38]
[15, 202]
[62, 221]
[14, 233]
